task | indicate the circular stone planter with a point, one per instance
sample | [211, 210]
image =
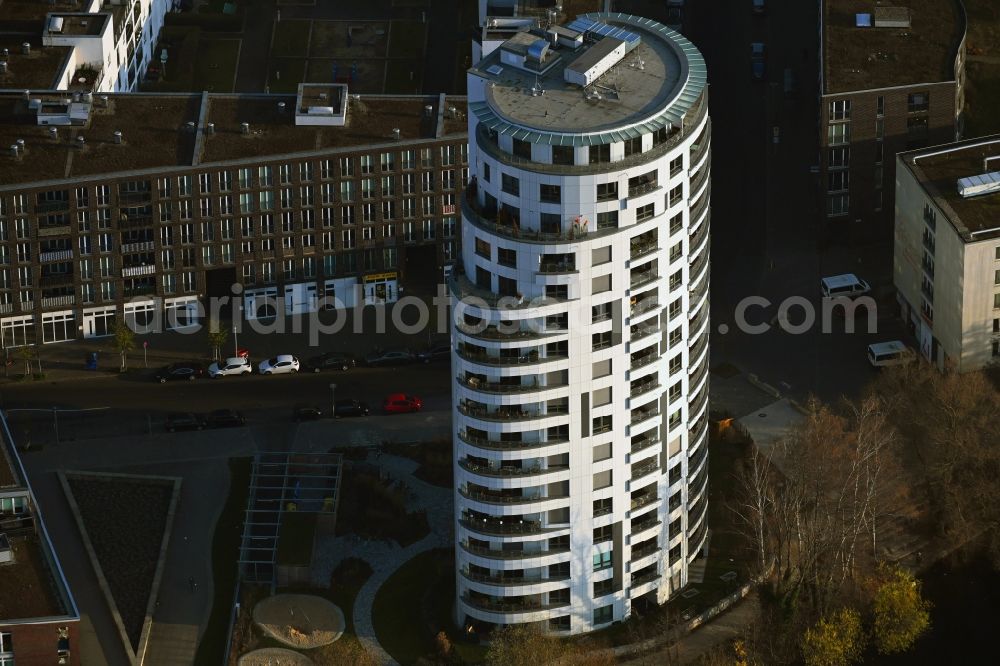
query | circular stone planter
[272, 656]
[300, 621]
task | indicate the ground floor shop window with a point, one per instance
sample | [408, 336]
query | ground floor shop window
[58, 326]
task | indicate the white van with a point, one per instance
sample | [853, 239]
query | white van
[847, 284]
[883, 354]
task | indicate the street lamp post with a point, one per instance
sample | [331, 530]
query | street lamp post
[236, 342]
[333, 400]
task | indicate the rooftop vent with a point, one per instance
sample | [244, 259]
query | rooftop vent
[189, 125]
[25, 48]
[14, 150]
[104, 100]
[281, 107]
[395, 133]
[54, 133]
[210, 128]
[21, 145]
[80, 142]
[3, 66]
[429, 110]
[245, 129]
[118, 136]
[974, 186]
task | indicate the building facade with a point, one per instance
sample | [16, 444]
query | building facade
[39, 620]
[883, 91]
[947, 251]
[581, 326]
[172, 200]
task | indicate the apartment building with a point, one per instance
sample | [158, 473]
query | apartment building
[89, 45]
[581, 328]
[892, 80]
[947, 251]
[145, 206]
[39, 620]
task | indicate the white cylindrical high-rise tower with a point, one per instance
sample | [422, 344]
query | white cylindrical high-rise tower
[581, 328]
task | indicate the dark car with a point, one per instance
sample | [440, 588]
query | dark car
[391, 357]
[184, 421]
[435, 353]
[224, 418]
[180, 371]
[331, 361]
[307, 413]
[350, 407]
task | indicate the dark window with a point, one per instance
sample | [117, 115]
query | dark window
[604, 614]
[608, 220]
[916, 131]
[507, 257]
[522, 149]
[510, 184]
[602, 534]
[603, 587]
[560, 623]
[486, 172]
[660, 135]
[918, 101]
[676, 165]
[550, 193]
[633, 146]
[562, 154]
[607, 191]
[604, 506]
[483, 249]
[643, 213]
[506, 286]
[839, 158]
[550, 223]
[484, 279]
[600, 154]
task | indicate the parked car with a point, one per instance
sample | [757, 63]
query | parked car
[758, 59]
[303, 412]
[231, 366]
[331, 361]
[350, 407]
[281, 364]
[184, 421]
[391, 357]
[224, 418]
[848, 284]
[885, 354]
[436, 353]
[174, 371]
[401, 403]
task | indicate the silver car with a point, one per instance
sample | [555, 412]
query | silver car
[281, 364]
[231, 366]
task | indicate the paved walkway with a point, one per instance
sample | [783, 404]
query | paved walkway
[385, 557]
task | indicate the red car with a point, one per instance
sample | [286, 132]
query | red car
[400, 403]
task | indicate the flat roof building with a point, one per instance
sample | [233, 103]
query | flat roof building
[581, 332]
[39, 620]
[114, 202]
[947, 251]
[892, 79]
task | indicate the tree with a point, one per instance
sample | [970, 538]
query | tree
[836, 640]
[901, 613]
[217, 337]
[124, 343]
[521, 645]
[27, 354]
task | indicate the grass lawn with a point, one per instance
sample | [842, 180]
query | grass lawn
[414, 604]
[225, 548]
[216, 66]
[286, 74]
[291, 38]
[406, 40]
[298, 530]
[397, 77]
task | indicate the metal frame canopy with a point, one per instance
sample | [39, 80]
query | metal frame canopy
[693, 79]
[310, 481]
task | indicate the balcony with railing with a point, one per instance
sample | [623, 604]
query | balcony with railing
[510, 228]
[701, 205]
[645, 575]
[55, 255]
[647, 522]
[508, 356]
[698, 179]
[510, 554]
[508, 496]
[704, 141]
[504, 578]
[699, 235]
[699, 291]
[531, 384]
[509, 332]
[645, 468]
[698, 345]
[643, 442]
[645, 306]
[489, 444]
[465, 289]
[138, 246]
[58, 301]
[643, 386]
[696, 460]
[644, 550]
[643, 414]
[510, 525]
[642, 246]
[53, 230]
[698, 403]
[643, 499]
[133, 271]
[640, 331]
[509, 468]
[511, 604]
[642, 360]
[640, 278]
[557, 263]
[503, 413]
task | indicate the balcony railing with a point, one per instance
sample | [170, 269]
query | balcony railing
[928, 267]
[698, 404]
[700, 205]
[640, 415]
[140, 246]
[643, 361]
[699, 178]
[643, 188]
[132, 271]
[699, 291]
[647, 467]
[491, 579]
[56, 255]
[491, 225]
[506, 470]
[644, 551]
[510, 412]
[490, 526]
[697, 347]
[523, 606]
[494, 498]
[496, 387]
[642, 526]
[644, 578]
[699, 235]
[498, 445]
[698, 149]
[640, 331]
[642, 307]
[58, 301]
[497, 554]
[642, 249]
[493, 333]
[644, 443]
[135, 197]
[134, 221]
[638, 279]
[644, 387]
[465, 289]
[142, 290]
[644, 500]
[485, 359]
[54, 230]
[51, 206]
[695, 461]
[557, 267]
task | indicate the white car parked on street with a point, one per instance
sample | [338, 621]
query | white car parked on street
[280, 364]
[231, 366]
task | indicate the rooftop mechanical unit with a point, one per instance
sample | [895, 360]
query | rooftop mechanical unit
[974, 186]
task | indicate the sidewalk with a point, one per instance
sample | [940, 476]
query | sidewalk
[64, 361]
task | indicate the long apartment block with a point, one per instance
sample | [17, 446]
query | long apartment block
[144, 206]
[581, 336]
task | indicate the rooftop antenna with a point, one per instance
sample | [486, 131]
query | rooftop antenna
[537, 89]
